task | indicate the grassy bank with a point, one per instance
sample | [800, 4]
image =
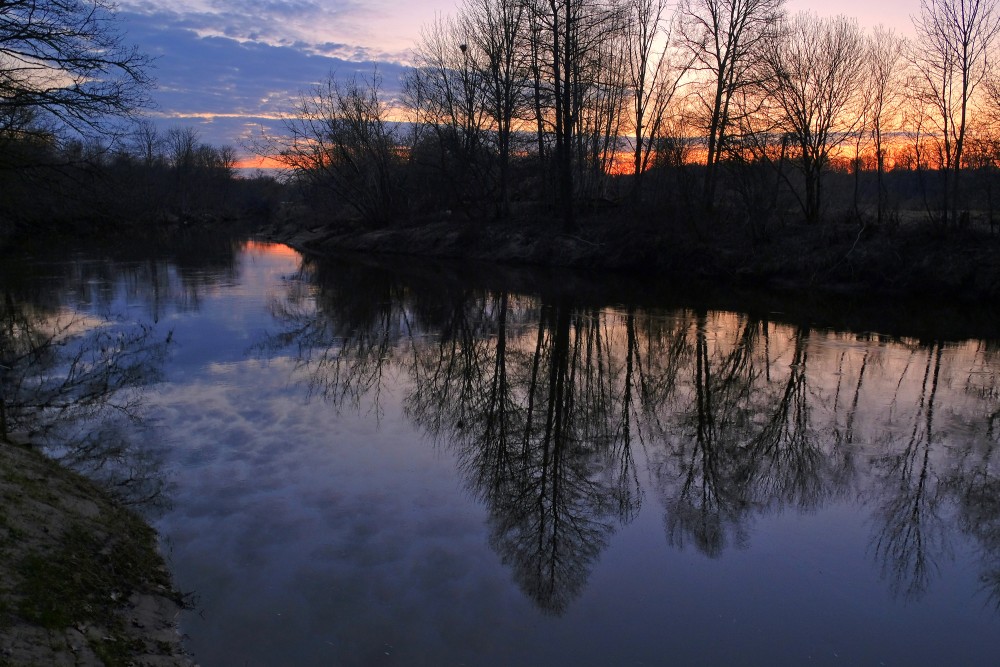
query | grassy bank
[81, 579]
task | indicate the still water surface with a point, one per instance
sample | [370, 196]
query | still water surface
[404, 466]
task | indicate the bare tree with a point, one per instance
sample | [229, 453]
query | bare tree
[67, 60]
[444, 92]
[601, 91]
[539, 93]
[654, 75]
[568, 34]
[886, 79]
[953, 51]
[723, 37]
[496, 29]
[992, 88]
[182, 143]
[182, 147]
[147, 143]
[813, 76]
[339, 140]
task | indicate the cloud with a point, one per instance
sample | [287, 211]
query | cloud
[342, 28]
[227, 87]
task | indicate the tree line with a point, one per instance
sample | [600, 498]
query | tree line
[703, 109]
[141, 177]
[74, 146]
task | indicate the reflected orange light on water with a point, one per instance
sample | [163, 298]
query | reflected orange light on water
[269, 249]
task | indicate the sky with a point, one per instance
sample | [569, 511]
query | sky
[229, 68]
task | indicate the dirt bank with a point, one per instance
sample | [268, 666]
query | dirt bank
[81, 580]
[918, 261]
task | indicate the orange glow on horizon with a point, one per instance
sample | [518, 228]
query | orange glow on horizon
[260, 162]
[898, 153]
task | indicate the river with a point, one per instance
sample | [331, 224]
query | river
[407, 463]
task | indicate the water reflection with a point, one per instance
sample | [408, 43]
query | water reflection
[537, 435]
[558, 410]
[74, 385]
[653, 469]
[74, 369]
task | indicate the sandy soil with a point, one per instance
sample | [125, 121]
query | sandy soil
[81, 582]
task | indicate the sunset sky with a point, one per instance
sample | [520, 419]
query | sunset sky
[227, 67]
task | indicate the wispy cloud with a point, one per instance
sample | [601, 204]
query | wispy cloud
[349, 29]
[229, 86]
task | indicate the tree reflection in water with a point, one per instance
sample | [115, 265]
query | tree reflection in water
[73, 376]
[73, 385]
[974, 476]
[536, 434]
[697, 468]
[543, 399]
[343, 336]
[912, 535]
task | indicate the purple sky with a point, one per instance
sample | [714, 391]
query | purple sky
[227, 68]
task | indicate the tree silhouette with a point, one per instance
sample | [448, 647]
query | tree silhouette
[66, 61]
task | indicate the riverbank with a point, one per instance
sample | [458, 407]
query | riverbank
[81, 580]
[840, 258]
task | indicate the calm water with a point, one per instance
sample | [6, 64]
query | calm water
[437, 467]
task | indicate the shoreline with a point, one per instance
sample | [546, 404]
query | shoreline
[82, 581]
[835, 259]
[770, 290]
